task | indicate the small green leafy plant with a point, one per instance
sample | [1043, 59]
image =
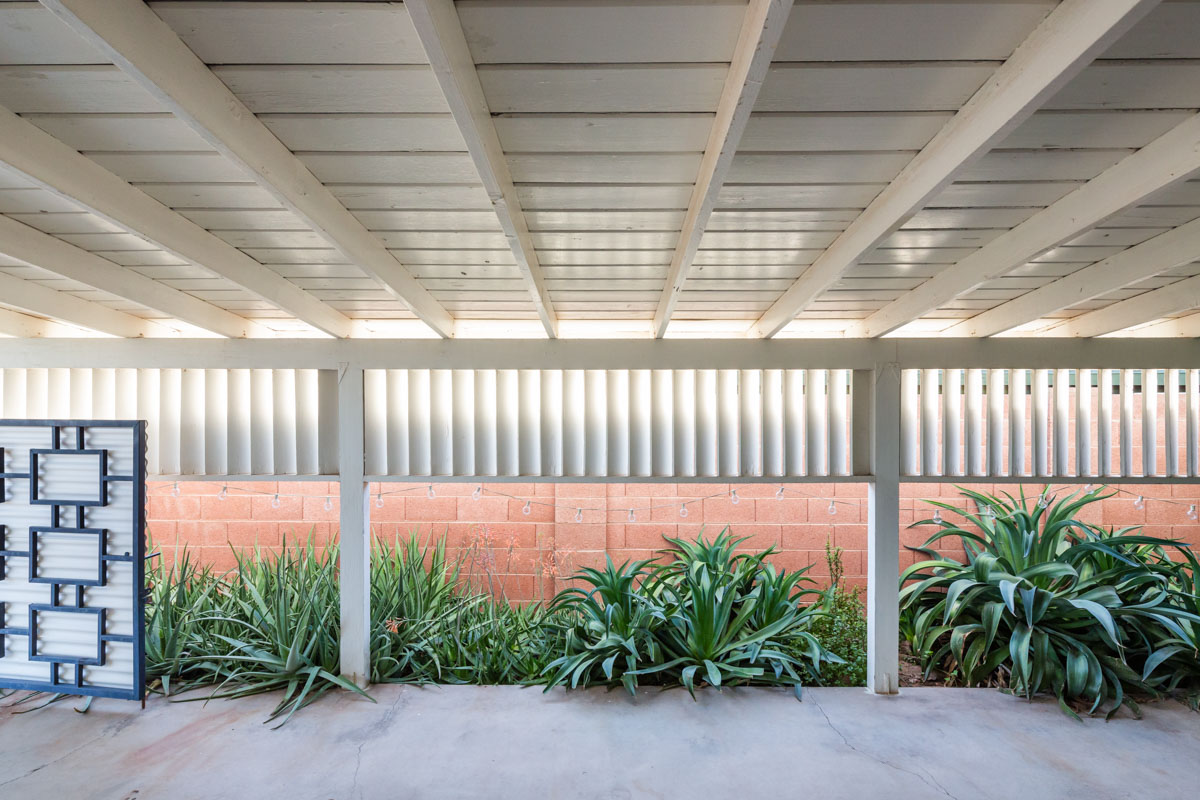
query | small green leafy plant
[842, 628]
[1048, 603]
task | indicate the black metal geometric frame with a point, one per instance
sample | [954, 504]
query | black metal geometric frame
[36, 500]
[136, 557]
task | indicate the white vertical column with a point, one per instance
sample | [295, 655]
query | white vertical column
[930, 398]
[1041, 422]
[1193, 423]
[1083, 422]
[883, 535]
[975, 455]
[1104, 420]
[1018, 381]
[706, 423]
[816, 432]
[685, 422]
[952, 422]
[354, 537]
[750, 418]
[793, 421]
[1062, 425]
[1127, 423]
[910, 426]
[995, 422]
[1149, 422]
[772, 391]
[839, 430]
[1171, 424]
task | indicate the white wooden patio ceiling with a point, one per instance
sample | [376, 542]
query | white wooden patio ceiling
[593, 168]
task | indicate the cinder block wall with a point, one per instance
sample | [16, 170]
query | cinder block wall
[530, 554]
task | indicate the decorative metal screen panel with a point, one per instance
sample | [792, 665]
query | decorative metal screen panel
[72, 555]
[608, 423]
[1042, 423]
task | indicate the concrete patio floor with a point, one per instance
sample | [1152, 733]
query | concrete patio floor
[508, 742]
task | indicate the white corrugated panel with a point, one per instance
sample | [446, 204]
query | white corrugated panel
[1042, 445]
[608, 423]
[202, 422]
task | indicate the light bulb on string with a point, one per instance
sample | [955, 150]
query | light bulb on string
[1140, 503]
[379, 499]
[683, 509]
[937, 516]
[478, 491]
[779, 494]
[832, 508]
[175, 489]
[1087, 489]
[632, 517]
[733, 498]
[275, 501]
[526, 508]
[1042, 502]
[579, 515]
[1192, 515]
[431, 494]
[224, 492]
[328, 503]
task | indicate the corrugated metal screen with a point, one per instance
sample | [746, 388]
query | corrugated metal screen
[200, 421]
[1050, 423]
[608, 423]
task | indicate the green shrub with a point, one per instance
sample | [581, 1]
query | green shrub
[1047, 603]
[842, 628]
[709, 615]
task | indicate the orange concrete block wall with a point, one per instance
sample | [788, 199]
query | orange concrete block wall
[530, 553]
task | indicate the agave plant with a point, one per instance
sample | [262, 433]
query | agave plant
[710, 615]
[1048, 603]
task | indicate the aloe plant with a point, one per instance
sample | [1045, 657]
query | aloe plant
[1048, 603]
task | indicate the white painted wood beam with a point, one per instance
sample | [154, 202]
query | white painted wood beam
[146, 49]
[1147, 307]
[601, 354]
[14, 323]
[53, 165]
[62, 258]
[1162, 162]
[37, 299]
[1064, 43]
[441, 34]
[762, 26]
[1166, 251]
[1181, 327]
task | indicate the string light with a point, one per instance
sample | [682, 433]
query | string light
[832, 508]
[579, 515]
[683, 509]
[379, 499]
[1087, 489]
[1140, 503]
[328, 502]
[224, 492]
[478, 491]
[779, 494]
[1042, 501]
[526, 508]
[632, 518]
[733, 498]
[431, 493]
[1192, 515]
[937, 516]
[175, 491]
[275, 501]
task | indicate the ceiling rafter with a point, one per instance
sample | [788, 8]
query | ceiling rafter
[37, 299]
[46, 161]
[1167, 159]
[1171, 299]
[1187, 327]
[147, 50]
[1163, 252]
[762, 26]
[62, 258]
[1066, 41]
[23, 326]
[441, 34]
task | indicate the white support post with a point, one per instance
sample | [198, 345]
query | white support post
[354, 538]
[883, 532]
